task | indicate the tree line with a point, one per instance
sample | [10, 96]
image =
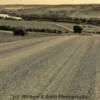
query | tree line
[23, 31]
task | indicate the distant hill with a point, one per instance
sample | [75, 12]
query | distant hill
[83, 11]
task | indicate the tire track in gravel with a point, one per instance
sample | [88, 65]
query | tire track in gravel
[11, 49]
[52, 69]
[61, 75]
[23, 71]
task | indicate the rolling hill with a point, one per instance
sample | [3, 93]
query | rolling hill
[83, 11]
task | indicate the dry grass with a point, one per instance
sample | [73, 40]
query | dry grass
[7, 36]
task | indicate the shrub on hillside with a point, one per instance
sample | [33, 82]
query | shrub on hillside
[6, 28]
[77, 29]
[19, 32]
[46, 30]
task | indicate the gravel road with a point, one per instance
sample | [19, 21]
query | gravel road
[51, 68]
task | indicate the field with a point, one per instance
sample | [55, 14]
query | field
[84, 11]
[6, 36]
[88, 28]
[63, 26]
[32, 24]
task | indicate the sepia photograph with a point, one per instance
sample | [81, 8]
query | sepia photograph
[49, 50]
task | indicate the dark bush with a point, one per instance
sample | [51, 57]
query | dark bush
[97, 32]
[6, 28]
[58, 31]
[44, 30]
[77, 29]
[19, 32]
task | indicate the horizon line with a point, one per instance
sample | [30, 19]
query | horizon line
[55, 4]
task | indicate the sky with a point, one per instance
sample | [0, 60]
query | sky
[49, 1]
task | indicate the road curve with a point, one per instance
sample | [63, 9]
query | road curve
[51, 68]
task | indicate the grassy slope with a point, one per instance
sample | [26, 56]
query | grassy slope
[7, 36]
[87, 11]
[33, 24]
[45, 25]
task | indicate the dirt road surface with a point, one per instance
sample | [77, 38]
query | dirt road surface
[51, 68]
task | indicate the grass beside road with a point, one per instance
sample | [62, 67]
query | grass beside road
[7, 36]
[32, 24]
